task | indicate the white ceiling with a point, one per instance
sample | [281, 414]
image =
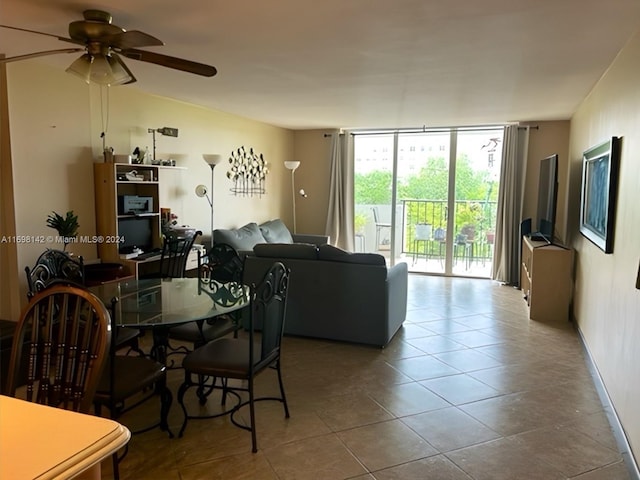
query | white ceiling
[306, 64]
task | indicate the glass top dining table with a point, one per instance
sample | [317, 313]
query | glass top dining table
[159, 304]
[150, 303]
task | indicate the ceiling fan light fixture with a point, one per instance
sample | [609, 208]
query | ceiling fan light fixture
[100, 69]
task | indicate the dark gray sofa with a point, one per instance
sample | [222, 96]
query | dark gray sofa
[244, 238]
[336, 295]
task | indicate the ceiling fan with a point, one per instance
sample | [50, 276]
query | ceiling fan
[103, 43]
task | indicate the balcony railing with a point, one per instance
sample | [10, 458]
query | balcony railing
[425, 221]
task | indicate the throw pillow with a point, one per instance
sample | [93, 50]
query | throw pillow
[275, 231]
[335, 254]
[243, 238]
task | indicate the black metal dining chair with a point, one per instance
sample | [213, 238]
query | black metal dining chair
[221, 263]
[243, 358]
[175, 252]
[55, 267]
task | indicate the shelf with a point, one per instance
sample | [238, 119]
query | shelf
[137, 182]
[152, 214]
[110, 223]
[146, 165]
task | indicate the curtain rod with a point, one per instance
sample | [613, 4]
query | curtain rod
[432, 130]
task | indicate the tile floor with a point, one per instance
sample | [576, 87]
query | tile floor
[468, 389]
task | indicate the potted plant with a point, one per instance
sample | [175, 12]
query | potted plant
[359, 222]
[67, 226]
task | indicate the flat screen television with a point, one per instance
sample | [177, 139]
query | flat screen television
[135, 232]
[547, 199]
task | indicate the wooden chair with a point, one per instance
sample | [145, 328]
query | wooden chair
[129, 381]
[244, 358]
[66, 332]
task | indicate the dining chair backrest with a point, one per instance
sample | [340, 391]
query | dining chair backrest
[268, 310]
[66, 333]
[221, 263]
[52, 267]
[175, 251]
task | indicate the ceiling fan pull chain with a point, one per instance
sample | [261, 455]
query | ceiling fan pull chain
[104, 115]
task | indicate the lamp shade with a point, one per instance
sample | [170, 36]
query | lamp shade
[201, 191]
[100, 69]
[212, 158]
[292, 164]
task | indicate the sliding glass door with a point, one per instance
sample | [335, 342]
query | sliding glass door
[429, 198]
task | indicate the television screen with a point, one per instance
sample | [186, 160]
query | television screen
[547, 197]
[135, 232]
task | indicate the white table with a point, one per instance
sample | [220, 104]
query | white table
[41, 442]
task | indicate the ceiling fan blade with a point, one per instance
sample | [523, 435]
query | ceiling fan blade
[171, 62]
[131, 39]
[40, 54]
[64, 39]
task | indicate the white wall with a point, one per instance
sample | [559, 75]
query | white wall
[606, 302]
[55, 125]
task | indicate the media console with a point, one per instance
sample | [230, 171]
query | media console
[127, 200]
[546, 279]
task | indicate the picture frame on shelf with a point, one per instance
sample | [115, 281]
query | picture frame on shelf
[600, 171]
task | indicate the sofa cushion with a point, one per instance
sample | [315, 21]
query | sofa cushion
[275, 231]
[335, 254]
[243, 238]
[305, 251]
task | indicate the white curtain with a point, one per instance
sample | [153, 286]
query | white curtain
[506, 258]
[340, 213]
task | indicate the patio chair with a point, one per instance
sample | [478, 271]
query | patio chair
[379, 225]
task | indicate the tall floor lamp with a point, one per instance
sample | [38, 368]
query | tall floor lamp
[292, 165]
[201, 191]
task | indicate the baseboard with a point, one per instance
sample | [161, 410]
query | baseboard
[612, 416]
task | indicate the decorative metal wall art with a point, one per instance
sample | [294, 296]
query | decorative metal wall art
[248, 172]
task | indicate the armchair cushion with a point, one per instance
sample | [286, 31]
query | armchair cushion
[310, 238]
[335, 254]
[243, 238]
[275, 231]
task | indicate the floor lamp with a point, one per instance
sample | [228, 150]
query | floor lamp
[212, 160]
[292, 165]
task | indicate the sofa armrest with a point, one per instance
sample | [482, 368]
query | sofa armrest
[397, 286]
[310, 238]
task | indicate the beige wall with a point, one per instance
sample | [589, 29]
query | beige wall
[548, 138]
[55, 125]
[606, 302]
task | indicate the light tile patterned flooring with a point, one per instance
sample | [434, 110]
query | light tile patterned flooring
[468, 389]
